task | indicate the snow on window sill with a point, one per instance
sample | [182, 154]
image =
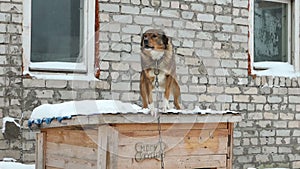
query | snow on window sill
[59, 76]
[275, 69]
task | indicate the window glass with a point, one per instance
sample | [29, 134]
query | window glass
[56, 34]
[270, 31]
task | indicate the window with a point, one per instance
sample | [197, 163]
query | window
[273, 26]
[58, 36]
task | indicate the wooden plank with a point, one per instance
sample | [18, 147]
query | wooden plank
[102, 146]
[183, 142]
[84, 138]
[230, 146]
[63, 162]
[49, 167]
[72, 151]
[297, 35]
[172, 126]
[179, 162]
[113, 142]
[40, 150]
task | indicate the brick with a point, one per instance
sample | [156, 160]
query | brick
[294, 99]
[296, 164]
[120, 86]
[241, 98]
[283, 133]
[232, 90]
[143, 20]
[132, 29]
[193, 25]
[44, 94]
[224, 98]
[185, 51]
[215, 89]
[78, 84]
[240, 21]
[34, 83]
[186, 34]
[111, 27]
[170, 13]
[187, 15]
[189, 97]
[274, 99]
[223, 19]
[197, 7]
[162, 22]
[130, 9]
[122, 18]
[109, 7]
[207, 98]
[149, 11]
[56, 83]
[205, 17]
[271, 116]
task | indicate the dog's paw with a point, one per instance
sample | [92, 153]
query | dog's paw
[166, 105]
[152, 110]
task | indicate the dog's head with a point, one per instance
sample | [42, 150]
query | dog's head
[154, 39]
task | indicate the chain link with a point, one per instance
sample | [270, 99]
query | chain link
[156, 73]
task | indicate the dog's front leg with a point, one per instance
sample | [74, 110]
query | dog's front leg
[150, 98]
[168, 83]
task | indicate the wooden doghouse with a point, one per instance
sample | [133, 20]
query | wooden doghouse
[123, 141]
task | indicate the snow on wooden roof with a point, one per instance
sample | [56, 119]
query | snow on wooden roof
[104, 111]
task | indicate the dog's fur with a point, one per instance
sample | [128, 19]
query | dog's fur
[157, 47]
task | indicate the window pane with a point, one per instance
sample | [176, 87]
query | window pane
[270, 31]
[56, 33]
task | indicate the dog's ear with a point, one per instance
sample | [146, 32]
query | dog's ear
[142, 39]
[165, 40]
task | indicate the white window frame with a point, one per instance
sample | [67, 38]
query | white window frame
[291, 52]
[53, 69]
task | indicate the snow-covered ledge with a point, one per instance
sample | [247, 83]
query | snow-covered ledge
[275, 69]
[90, 112]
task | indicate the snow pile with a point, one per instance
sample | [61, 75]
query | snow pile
[48, 112]
[10, 163]
[279, 69]
[8, 119]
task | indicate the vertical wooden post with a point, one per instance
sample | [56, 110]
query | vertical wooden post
[297, 35]
[102, 146]
[40, 150]
[113, 142]
[230, 145]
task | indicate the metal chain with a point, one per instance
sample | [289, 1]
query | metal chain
[156, 72]
[162, 164]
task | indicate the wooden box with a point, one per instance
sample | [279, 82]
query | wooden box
[131, 141]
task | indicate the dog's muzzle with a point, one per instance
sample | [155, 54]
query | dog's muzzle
[146, 44]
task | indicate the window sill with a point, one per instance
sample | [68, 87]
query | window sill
[59, 76]
[275, 69]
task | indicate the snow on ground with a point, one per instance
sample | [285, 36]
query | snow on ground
[14, 165]
[8, 119]
[10, 163]
[280, 69]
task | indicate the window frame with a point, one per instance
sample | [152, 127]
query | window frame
[293, 44]
[39, 69]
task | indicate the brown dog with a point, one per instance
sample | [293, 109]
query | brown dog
[157, 58]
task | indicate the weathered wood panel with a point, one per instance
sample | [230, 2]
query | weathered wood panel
[71, 148]
[73, 136]
[154, 127]
[63, 162]
[184, 142]
[179, 162]
[40, 149]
